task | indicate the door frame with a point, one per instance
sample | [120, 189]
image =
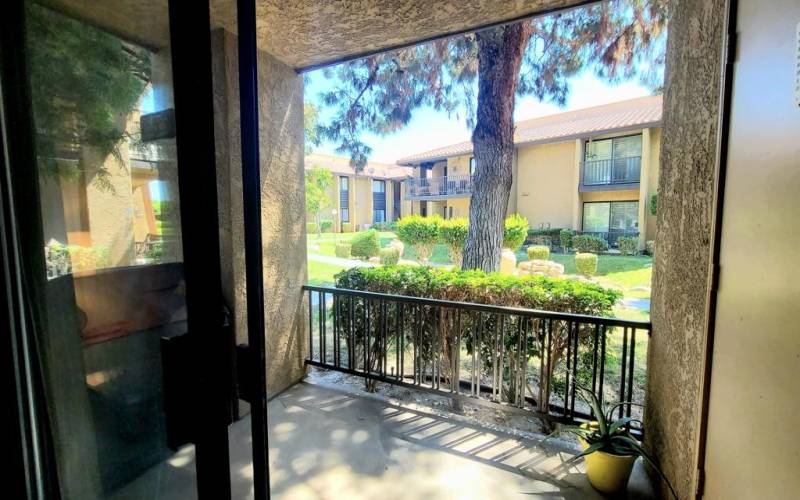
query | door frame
[21, 274]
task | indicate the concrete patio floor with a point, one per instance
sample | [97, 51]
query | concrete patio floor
[327, 443]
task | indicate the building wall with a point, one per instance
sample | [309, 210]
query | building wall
[363, 202]
[281, 145]
[754, 404]
[545, 184]
[681, 263]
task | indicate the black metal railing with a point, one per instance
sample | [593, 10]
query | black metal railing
[625, 170]
[451, 185]
[524, 358]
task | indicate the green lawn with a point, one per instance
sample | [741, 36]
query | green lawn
[320, 273]
[629, 274]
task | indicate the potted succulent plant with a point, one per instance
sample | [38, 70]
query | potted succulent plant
[609, 449]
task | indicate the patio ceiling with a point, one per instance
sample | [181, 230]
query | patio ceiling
[308, 33]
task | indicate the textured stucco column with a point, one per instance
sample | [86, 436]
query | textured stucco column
[283, 205]
[682, 255]
[576, 193]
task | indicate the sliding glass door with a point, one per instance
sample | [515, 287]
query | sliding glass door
[116, 221]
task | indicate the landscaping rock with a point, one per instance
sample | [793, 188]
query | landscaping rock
[508, 262]
[540, 268]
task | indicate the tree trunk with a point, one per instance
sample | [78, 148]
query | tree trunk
[500, 52]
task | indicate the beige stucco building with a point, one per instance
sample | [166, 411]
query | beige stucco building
[358, 200]
[592, 170]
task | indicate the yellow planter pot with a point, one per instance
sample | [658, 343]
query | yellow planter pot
[606, 472]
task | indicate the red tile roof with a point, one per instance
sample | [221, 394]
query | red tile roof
[588, 122]
[341, 166]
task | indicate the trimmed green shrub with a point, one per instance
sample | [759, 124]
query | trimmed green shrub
[343, 250]
[628, 245]
[345, 227]
[650, 247]
[586, 264]
[653, 204]
[538, 252]
[311, 227]
[381, 226]
[441, 326]
[453, 234]
[516, 230]
[365, 244]
[565, 237]
[390, 256]
[587, 243]
[421, 233]
[535, 292]
[325, 225]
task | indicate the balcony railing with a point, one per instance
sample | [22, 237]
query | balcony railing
[525, 358]
[612, 171]
[452, 185]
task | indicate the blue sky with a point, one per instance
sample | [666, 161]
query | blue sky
[431, 129]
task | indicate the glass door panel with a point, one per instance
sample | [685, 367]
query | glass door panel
[112, 329]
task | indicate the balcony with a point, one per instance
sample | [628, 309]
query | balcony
[615, 173]
[439, 188]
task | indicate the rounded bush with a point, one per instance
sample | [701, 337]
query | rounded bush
[586, 243]
[586, 263]
[365, 244]
[538, 252]
[390, 256]
[421, 233]
[345, 227]
[343, 250]
[453, 234]
[516, 230]
[325, 225]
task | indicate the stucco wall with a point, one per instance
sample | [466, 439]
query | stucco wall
[362, 204]
[545, 184]
[652, 184]
[680, 267]
[283, 204]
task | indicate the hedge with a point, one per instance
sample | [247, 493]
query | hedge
[548, 236]
[343, 250]
[538, 252]
[433, 331]
[535, 292]
[587, 243]
[325, 225]
[453, 234]
[515, 231]
[311, 227]
[586, 263]
[345, 227]
[365, 244]
[628, 245]
[421, 233]
[390, 256]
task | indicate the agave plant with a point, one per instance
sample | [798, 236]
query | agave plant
[612, 436]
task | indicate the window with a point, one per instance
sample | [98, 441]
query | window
[616, 160]
[611, 216]
[378, 201]
[344, 198]
[471, 165]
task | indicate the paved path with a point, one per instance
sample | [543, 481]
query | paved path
[338, 261]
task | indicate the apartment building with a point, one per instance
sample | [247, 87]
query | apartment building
[592, 170]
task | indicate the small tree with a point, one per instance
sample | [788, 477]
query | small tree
[421, 233]
[453, 234]
[516, 230]
[318, 180]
